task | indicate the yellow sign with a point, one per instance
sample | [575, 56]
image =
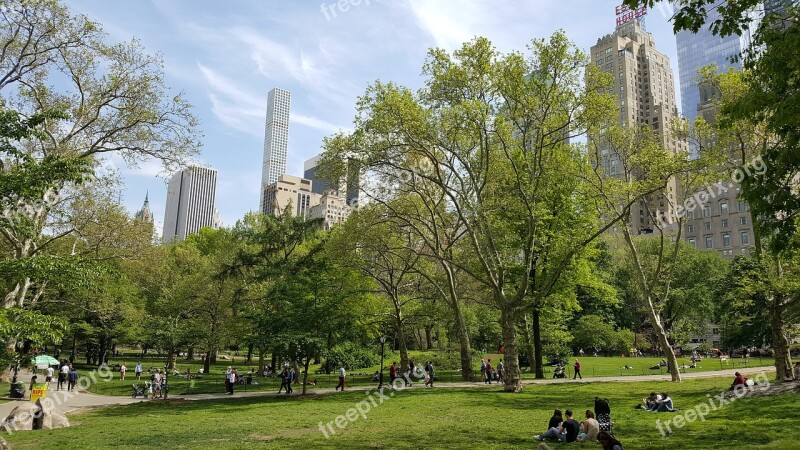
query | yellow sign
[38, 390]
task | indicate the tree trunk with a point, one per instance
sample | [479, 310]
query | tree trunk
[509, 329]
[401, 337]
[261, 353]
[537, 344]
[190, 354]
[207, 362]
[428, 339]
[526, 334]
[780, 345]
[213, 356]
[464, 345]
[305, 375]
[250, 348]
[171, 356]
[663, 341]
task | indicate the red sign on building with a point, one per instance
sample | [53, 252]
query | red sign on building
[626, 14]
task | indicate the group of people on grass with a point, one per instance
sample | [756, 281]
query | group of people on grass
[564, 428]
[657, 402]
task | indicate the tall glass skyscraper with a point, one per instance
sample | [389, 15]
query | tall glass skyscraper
[276, 140]
[697, 50]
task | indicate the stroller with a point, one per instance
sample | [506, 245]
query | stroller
[603, 413]
[559, 372]
[141, 389]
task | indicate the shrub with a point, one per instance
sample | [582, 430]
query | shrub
[353, 356]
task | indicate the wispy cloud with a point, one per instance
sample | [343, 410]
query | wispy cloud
[318, 124]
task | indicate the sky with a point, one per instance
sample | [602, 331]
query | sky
[226, 56]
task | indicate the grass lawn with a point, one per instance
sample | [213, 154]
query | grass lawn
[591, 367]
[432, 418]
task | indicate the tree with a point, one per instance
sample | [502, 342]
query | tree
[490, 132]
[734, 16]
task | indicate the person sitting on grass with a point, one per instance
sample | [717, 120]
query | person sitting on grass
[553, 424]
[739, 380]
[590, 427]
[567, 432]
[608, 442]
[664, 404]
[651, 402]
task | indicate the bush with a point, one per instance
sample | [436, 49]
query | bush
[353, 356]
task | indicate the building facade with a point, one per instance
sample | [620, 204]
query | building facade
[276, 140]
[351, 183]
[700, 49]
[190, 203]
[290, 194]
[331, 208]
[645, 89]
[310, 170]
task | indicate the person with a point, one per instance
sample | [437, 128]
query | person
[590, 427]
[249, 379]
[34, 379]
[651, 402]
[577, 368]
[483, 370]
[376, 376]
[608, 442]
[138, 370]
[164, 387]
[62, 376]
[429, 371]
[489, 371]
[155, 379]
[290, 376]
[228, 372]
[663, 363]
[342, 376]
[554, 424]
[664, 404]
[567, 431]
[392, 373]
[122, 370]
[312, 382]
[72, 378]
[49, 377]
[231, 381]
[739, 380]
[501, 371]
[580, 352]
[284, 377]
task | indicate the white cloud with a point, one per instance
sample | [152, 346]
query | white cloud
[315, 123]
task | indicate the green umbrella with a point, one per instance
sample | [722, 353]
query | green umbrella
[45, 359]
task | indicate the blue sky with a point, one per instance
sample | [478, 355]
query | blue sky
[226, 55]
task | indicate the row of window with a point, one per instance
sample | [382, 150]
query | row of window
[723, 210]
[744, 236]
[707, 225]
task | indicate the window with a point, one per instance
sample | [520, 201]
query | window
[742, 206]
[723, 208]
[742, 220]
[706, 225]
[726, 239]
[693, 242]
[715, 331]
[724, 223]
[707, 211]
[690, 228]
[690, 214]
[745, 237]
[709, 242]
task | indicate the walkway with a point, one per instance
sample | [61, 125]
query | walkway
[72, 401]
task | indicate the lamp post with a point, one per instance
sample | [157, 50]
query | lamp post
[380, 377]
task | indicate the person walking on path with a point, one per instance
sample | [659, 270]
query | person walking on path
[431, 373]
[138, 371]
[290, 377]
[62, 376]
[122, 370]
[228, 372]
[342, 376]
[392, 373]
[483, 370]
[49, 377]
[489, 371]
[501, 371]
[577, 368]
[284, 377]
[231, 381]
[72, 378]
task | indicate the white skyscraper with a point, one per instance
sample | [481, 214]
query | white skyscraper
[276, 140]
[190, 203]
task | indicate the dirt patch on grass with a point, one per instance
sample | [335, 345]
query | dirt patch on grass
[261, 437]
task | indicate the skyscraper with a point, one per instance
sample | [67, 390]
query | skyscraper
[347, 188]
[645, 89]
[276, 140]
[190, 203]
[697, 50]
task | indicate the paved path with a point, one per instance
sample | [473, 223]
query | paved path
[71, 401]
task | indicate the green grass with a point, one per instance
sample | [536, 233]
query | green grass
[214, 382]
[432, 418]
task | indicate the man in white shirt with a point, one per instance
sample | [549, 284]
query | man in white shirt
[49, 377]
[231, 381]
[342, 376]
[138, 371]
[62, 376]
